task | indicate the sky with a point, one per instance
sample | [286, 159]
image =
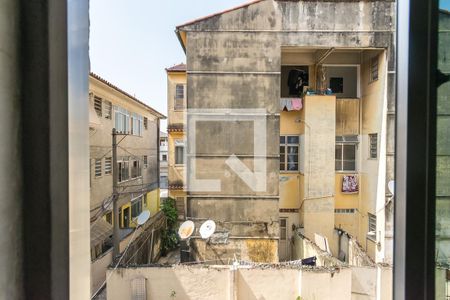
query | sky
[133, 41]
[445, 4]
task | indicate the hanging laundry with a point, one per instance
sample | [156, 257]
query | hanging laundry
[283, 102]
[289, 104]
[297, 104]
[350, 184]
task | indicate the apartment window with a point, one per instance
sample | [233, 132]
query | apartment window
[136, 124]
[344, 210]
[145, 123]
[107, 109]
[374, 69]
[372, 219]
[108, 165]
[289, 152]
[283, 229]
[373, 145]
[124, 169]
[136, 208]
[164, 157]
[145, 159]
[179, 153]
[179, 96]
[121, 119]
[98, 167]
[337, 85]
[98, 105]
[345, 153]
[136, 169]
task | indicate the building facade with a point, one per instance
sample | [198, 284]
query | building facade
[163, 160]
[176, 107]
[137, 126]
[323, 73]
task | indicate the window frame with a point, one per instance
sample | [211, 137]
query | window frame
[371, 144]
[285, 145]
[179, 103]
[98, 106]
[374, 69]
[346, 141]
[107, 109]
[99, 173]
[108, 165]
[182, 155]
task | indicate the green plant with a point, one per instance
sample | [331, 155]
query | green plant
[169, 237]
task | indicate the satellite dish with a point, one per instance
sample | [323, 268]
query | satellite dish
[186, 229]
[143, 217]
[391, 186]
[207, 229]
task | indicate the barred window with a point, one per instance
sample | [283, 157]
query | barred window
[98, 167]
[373, 145]
[108, 165]
[374, 69]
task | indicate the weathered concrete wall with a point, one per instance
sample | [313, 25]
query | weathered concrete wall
[98, 270]
[233, 61]
[318, 207]
[100, 142]
[271, 283]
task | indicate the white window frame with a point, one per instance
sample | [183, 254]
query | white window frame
[342, 141]
[121, 119]
[136, 124]
[120, 165]
[285, 145]
[182, 155]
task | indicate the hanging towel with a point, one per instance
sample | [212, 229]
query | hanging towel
[297, 104]
[289, 104]
[283, 102]
[350, 184]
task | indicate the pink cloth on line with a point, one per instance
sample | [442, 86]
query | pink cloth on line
[297, 104]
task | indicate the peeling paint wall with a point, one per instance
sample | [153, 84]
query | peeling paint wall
[234, 61]
[245, 283]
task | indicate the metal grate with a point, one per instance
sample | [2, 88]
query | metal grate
[108, 165]
[373, 144]
[98, 167]
[138, 289]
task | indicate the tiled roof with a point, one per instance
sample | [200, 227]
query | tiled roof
[104, 81]
[219, 13]
[177, 68]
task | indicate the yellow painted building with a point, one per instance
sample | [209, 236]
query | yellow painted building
[358, 152]
[176, 106]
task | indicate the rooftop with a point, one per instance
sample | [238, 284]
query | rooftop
[104, 81]
[177, 68]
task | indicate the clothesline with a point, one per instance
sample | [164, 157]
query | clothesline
[291, 104]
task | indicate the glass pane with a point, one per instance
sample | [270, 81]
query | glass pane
[443, 156]
[349, 152]
[293, 140]
[338, 152]
[349, 165]
[292, 150]
[282, 139]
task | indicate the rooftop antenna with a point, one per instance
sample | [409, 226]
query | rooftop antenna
[143, 217]
[207, 229]
[184, 232]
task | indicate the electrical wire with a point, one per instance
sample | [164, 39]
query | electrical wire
[120, 259]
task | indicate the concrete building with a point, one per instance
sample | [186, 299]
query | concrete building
[163, 160]
[323, 74]
[176, 106]
[137, 159]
